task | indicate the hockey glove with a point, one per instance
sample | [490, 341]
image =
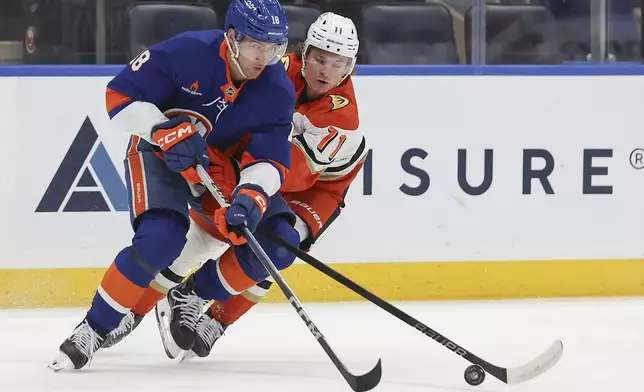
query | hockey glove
[182, 146]
[247, 208]
[223, 172]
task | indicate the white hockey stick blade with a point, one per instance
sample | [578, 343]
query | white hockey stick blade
[537, 366]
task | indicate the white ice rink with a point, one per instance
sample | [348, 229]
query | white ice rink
[271, 349]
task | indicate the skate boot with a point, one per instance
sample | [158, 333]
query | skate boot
[186, 307]
[209, 330]
[77, 350]
[127, 325]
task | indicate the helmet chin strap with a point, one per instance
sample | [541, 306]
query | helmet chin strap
[234, 55]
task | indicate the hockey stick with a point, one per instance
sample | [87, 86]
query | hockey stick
[514, 375]
[358, 383]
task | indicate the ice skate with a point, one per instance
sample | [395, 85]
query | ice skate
[126, 326]
[209, 330]
[77, 350]
[186, 307]
[162, 312]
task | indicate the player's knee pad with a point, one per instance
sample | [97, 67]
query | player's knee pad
[280, 257]
[159, 238]
[282, 228]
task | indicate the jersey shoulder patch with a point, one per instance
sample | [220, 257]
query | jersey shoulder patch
[338, 102]
[337, 108]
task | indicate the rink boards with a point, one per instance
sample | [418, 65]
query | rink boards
[481, 183]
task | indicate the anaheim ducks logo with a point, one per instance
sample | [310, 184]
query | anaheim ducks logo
[338, 102]
[286, 61]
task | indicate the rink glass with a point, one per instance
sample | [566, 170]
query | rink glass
[452, 32]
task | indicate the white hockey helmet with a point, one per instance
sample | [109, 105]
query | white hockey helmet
[335, 34]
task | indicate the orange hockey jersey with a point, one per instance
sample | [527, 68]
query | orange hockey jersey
[328, 152]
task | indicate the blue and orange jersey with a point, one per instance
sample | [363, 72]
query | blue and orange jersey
[189, 74]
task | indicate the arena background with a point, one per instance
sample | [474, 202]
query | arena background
[502, 165]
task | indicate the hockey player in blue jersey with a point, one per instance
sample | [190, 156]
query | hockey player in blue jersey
[210, 97]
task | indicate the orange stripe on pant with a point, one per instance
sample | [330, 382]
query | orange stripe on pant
[120, 288]
[137, 178]
[148, 300]
[134, 145]
[232, 272]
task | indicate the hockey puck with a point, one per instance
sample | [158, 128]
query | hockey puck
[474, 375]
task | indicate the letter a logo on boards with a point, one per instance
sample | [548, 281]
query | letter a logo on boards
[86, 179]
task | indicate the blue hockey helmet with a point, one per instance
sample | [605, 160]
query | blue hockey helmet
[261, 20]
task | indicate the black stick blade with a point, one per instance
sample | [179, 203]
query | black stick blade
[364, 382]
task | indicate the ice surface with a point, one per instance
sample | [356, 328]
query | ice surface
[270, 349]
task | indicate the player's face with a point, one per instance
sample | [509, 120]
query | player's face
[324, 70]
[255, 55]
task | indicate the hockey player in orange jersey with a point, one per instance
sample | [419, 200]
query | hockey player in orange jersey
[328, 151]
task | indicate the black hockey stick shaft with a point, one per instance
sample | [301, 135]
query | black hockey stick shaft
[496, 371]
[358, 383]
